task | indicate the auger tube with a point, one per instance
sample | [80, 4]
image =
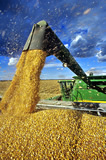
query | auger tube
[43, 38]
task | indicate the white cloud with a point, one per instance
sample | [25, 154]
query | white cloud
[66, 45]
[78, 37]
[100, 57]
[59, 68]
[12, 61]
[97, 71]
[53, 65]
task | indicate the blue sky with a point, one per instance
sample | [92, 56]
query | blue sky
[80, 25]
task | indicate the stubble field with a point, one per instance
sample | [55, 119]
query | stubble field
[48, 88]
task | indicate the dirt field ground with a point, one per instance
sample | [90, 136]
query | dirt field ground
[48, 88]
[4, 86]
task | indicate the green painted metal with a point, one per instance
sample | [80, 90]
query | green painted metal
[77, 90]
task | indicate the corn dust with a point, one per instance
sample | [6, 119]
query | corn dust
[23, 93]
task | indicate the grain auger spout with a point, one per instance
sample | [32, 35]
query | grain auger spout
[43, 38]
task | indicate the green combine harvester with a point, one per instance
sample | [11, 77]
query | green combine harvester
[77, 90]
[85, 93]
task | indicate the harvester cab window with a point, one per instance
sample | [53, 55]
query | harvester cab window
[66, 86]
[63, 85]
[70, 85]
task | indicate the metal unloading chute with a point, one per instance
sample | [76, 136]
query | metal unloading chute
[43, 38]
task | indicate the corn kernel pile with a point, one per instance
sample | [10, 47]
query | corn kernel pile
[23, 93]
[52, 134]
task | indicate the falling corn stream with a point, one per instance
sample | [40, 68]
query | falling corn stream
[55, 134]
[23, 93]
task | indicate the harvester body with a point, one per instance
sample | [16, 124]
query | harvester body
[76, 90]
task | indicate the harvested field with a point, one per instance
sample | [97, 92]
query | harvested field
[4, 86]
[48, 88]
